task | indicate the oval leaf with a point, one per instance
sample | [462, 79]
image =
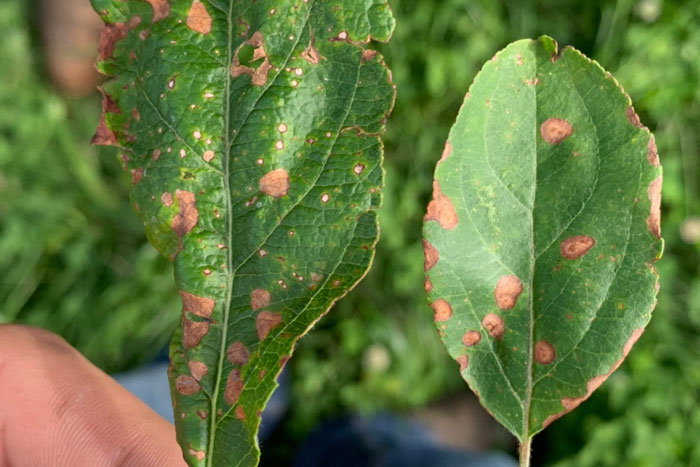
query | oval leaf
[250, 132]
[542, 233]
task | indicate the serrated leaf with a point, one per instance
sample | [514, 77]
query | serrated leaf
[251, 132]
[542, 233]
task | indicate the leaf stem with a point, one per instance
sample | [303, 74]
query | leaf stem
[525, 452]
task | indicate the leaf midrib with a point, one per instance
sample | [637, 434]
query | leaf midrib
[215, 420]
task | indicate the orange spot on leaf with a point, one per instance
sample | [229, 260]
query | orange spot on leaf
[654, 219]
[200, 306]
[186, 385]
[311, 55]
[442, 309]
[471, 338]
[275, 183]
[441, 209]
[187, 218]
[103, 135]
[445, 152]
[652, 153]
[575, 247]
[632, 117]
[199, 455]
[234, 387]
[507, 291]
[494, 325]
[193, 332]
[556, 130]
[259, 298]
[167, 199]
[198, 369]
[237, 353]
[161, 9]
[265, 322]
[198, 18]
[430, 254]
[110, 35]
[463, 361]
[258, 76]
[544, 353]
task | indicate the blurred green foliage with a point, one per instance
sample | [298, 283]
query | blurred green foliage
[73, 256]
[72, 253]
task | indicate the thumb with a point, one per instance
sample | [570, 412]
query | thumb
[57, 409]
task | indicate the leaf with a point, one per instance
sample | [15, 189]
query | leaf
[250, 130]
[542, 233]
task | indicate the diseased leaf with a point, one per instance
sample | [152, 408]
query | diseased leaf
[250, 129]
[542, 234]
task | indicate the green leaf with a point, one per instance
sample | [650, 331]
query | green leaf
[542, 234]
[250, 130]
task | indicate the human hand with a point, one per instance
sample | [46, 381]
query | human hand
[57, 409]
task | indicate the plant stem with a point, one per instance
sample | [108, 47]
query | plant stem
[525, 452]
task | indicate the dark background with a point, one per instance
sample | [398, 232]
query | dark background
[74, 258]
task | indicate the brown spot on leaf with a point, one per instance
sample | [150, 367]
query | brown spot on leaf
[258, 76]
[463, 361]
[575, 247]
[654, 219]
[283, 361]
[103, 135]
[198, 369]
[202, 414]
[187, 218]
[544, 353]
[442, 309]
[311, 55]
[556, 130]
[570, 403]
[633, 117]
[161, 9]
[240, 412]
[275, 183]
[265, 322]
[234, 387]
[368, 55]
[441, 209]
[238, 353]
[200, 306]
[199, 455]
[447, 150]
[430, 254]
[111, 34]
[193, 332]
[652, 152]
[186, 385]
[108, 104]
[198, 18]
[494, 325]
[259, 298]
[136, 175]
[167, 199]
[507, 291]
[208, 155]
[471, 338]
[428, 285]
